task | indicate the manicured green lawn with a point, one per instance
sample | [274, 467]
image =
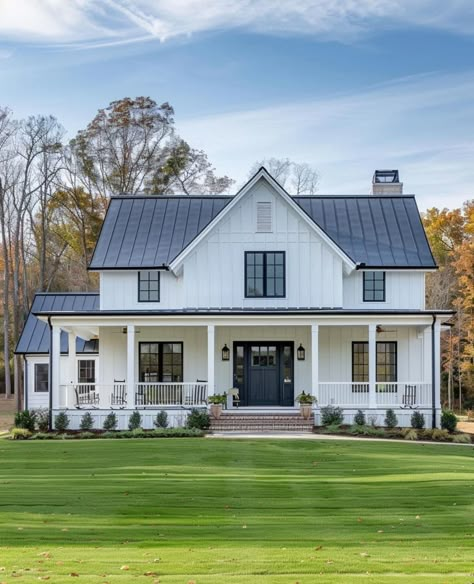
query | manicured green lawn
[235, 511]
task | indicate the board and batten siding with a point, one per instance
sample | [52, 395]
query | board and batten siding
[402, 290]
[213, 274]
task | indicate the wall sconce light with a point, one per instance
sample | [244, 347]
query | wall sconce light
[225, 353]
[301, 353]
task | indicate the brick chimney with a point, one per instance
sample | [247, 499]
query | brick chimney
[386, 182]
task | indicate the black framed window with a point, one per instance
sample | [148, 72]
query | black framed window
[86, 371]
[374, 286]
[161, 362]
[265, 274]
[149, 286]
[386, 367]
[41, 377]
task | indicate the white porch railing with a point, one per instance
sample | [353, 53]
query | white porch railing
[398, 394]
[95, 395]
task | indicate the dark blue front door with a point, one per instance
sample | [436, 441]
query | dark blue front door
[263, 373]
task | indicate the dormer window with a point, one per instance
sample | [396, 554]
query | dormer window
[374, 286]
[149, 286]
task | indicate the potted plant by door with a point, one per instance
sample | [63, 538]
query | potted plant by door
[217, 401]
[306, 401]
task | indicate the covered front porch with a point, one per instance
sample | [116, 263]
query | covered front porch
[176, 363]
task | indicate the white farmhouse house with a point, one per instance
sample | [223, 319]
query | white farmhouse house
[263, 292]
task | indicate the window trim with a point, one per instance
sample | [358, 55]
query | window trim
[384, 285]
[264, 295]
[376, 364]
[34, 378]
[158, 273]
[160, 352]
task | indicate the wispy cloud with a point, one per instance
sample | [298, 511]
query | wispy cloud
[115, 21]
[416, 124]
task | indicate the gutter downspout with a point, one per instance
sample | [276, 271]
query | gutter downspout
[25, 383]
[50, 376]
[433, 373]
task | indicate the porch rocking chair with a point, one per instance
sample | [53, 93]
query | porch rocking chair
[119, 394]
[85, 396]
[409, 397]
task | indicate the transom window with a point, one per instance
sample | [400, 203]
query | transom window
[161, 362]
[265, 274]
[41, 377]
[86, 371]
[386, 368]
[149, 286]
[374, 286]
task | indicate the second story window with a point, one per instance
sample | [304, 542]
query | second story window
[265, 274]
[149, 286]
[374, 286]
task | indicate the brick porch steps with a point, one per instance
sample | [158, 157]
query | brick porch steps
[230, 422]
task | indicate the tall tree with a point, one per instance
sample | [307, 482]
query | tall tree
[298, 178]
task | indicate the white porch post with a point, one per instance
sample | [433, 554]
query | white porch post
[372, 365]
[211, 347]
[437, 369]
[72, 365]
[55, 370]
[315, 360]
[130, 366]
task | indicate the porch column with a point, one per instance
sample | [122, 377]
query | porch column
[130, 366]
[437, 371]
[72, 366]
[55, 384]
[211, 348]
[315, 360]
[372, 365]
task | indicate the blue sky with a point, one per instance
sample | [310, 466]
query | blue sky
[347, 86]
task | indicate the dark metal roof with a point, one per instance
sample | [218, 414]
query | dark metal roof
[378, 231]
[35, 337]
[149, 232]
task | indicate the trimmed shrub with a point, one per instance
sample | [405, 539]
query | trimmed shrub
[42, 436]
[110, 422]
[87, 422]
[449, 421]
[135, 421]
[198, 419]
[161, 420]
[332, 429]
[61, 422]
[417, 421]
[110, 433]
[331, 415]
[359, 418]
[412, 434]
[391, 420]
[20, 434]
[138, 433]
[25, 419]
[42, 419]
[461, 438]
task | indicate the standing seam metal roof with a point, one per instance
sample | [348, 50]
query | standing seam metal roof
[151, 231]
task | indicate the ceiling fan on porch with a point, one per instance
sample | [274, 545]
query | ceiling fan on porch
[380, 329]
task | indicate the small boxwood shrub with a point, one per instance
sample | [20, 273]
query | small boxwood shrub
[25, 419]
[331, 415]
[359, 418]
[87, 422]
[391, 420]
[110, 422]
[161, 420]
[61, 422]
[449, 421]
[20, 434]
[42, 419]
[198, 419]
[417, 421]
[135, 421]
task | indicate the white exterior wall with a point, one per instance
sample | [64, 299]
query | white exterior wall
[213, 275]
[402, 290]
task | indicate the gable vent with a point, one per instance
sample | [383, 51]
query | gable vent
[264, 217]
